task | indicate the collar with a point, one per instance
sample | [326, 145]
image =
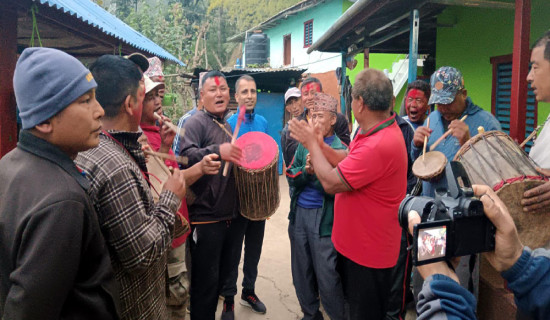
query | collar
[249, 115]
[380, 125]
[146, 127]
[219, 119]
[129, 140]
[471, 107]
[43, 149]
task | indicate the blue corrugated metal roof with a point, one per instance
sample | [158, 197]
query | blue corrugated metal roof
[99, 18]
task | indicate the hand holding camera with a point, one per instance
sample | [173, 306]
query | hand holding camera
[432, 221]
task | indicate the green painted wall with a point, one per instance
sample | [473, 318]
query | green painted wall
[324, 16]
[479, 34]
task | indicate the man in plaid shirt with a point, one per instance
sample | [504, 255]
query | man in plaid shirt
[138, 231]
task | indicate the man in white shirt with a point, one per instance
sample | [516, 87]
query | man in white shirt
[539, 78]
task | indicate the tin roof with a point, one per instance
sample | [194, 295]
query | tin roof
[98, 18]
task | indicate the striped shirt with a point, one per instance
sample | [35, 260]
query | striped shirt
[138, 231]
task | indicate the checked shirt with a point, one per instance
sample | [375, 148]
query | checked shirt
[138, 231]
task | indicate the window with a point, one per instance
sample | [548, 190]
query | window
[500, 99]
[308, 33]
[286, 50]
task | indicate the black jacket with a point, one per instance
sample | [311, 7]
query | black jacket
[54, 262]
[216, 195]
[408, 134]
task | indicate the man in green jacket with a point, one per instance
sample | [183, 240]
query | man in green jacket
[311, 216]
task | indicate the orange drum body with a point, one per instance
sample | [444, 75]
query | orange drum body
[256, 177]
[494, 159]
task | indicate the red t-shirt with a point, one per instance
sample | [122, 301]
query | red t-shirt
[366, 229]
[153, 137]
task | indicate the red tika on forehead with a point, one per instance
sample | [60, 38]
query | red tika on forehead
[217, 80]
[312, 86]
[415, 94]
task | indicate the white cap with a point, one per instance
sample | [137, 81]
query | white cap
[150, 84]
[292, 92]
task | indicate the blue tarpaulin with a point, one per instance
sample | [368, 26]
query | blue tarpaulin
[99, 18]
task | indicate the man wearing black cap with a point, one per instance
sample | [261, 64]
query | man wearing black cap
[55, 263]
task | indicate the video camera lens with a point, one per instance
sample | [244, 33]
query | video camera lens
[422, 205]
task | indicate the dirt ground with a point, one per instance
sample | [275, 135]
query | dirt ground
[274, 284]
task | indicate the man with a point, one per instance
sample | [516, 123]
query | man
[539, 78]
[216, 231]
[293, 105]
[311, 86]
[159, 138]
[55, 263]
[197, 106]
[453, 103]
[527, 272]
[138, 231]
[369, 185]
[246, 94]
[313, 257]
[416, 102]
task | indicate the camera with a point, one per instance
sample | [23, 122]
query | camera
[453, 224]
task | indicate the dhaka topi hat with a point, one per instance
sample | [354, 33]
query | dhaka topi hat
[46, 81]
[324, 102]
[445, 83]
[155, 68]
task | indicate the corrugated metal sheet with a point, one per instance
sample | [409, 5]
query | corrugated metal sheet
[99, 18]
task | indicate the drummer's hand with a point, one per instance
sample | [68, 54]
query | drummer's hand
[537, 197]
[309, 166]
[419, 134]
[230, 152]
[209, 165]
[460, 130]
[167, 135]
[508, 247]
[176, 183]
[146, 147]
[303, 132]
[429, 269]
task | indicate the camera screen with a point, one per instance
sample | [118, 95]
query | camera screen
[431, 243]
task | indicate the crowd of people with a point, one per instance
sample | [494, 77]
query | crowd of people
[85, 234]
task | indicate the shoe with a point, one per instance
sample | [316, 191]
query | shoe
[227, 312]
[252, 301]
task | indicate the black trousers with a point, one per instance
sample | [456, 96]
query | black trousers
[401, 281]
[213, 249]
[253, 233]
[366, 290]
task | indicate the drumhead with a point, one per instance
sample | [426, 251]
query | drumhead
[431, 166]
[259, 150]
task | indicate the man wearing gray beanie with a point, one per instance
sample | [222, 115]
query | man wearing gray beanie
[55, 263]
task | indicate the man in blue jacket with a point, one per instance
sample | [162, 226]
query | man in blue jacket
[246, 94]
[527, 272]
[450, 95]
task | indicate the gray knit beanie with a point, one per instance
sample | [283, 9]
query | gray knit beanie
[46, 81]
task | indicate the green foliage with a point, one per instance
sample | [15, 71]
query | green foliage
[249, 13]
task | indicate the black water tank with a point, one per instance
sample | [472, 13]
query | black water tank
[257, 49]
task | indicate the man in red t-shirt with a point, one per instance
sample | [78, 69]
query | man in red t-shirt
[369, 185]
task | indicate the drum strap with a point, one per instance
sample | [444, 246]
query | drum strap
[472, 266]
